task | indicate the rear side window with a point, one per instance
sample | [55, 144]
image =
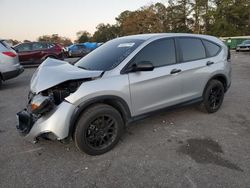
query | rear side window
[159, 53]
[192, 49]
[212, 48]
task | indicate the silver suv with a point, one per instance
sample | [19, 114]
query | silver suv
[9, 63]
[123, 80]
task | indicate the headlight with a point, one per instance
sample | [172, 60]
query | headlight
[41, 104]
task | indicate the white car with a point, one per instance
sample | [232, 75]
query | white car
[9, 62]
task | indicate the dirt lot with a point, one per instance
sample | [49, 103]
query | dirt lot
[179, 148]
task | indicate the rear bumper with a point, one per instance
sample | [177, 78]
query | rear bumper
[56, 122]
[12, 74]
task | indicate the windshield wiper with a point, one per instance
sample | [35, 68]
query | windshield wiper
[84, 68]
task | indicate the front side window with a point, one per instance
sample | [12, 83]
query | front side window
[192, 49]
[159, 53]
[109, 55]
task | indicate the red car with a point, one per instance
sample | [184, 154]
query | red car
[32, 53]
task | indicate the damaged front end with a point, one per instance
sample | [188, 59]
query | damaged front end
[47, 113]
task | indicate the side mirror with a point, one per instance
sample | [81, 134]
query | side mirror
[141, 66]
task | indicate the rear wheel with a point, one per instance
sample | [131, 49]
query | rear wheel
[98, 129]
[213, 96]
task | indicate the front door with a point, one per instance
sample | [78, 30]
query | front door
[152, 90]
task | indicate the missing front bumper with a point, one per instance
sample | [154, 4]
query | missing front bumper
[56, 122]
[25, 122]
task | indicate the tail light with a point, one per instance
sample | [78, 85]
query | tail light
[10, 54]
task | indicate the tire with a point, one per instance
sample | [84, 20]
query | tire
[98, 129]
[212, 97]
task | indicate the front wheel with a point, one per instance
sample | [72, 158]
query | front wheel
[213, 96]
[98, 129]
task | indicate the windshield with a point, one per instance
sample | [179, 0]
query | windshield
[246, 42]
[109, 55]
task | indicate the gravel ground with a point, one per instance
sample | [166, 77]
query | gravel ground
[179, 148]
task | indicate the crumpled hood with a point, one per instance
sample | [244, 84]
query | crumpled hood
[53, 72]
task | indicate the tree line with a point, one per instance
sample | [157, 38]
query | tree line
[220, 18]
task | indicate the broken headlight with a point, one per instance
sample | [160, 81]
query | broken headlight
[41, 104]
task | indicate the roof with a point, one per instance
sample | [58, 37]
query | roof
[160, 35]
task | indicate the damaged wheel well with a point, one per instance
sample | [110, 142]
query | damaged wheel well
[116, 102]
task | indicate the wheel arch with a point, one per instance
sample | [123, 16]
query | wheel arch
[116, 102]
[220, 77]
[50, 55]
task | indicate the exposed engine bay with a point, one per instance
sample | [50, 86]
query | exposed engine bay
[63, 90]
[52, 82]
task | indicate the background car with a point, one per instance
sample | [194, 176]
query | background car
[32, 53]
[78, 50]
[9, 63]
[82, 49]
[244, 46]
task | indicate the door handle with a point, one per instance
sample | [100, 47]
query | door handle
[174, 71]
[210, 63]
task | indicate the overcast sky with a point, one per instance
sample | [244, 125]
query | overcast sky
[29, 19]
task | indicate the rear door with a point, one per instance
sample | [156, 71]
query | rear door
[161, 87]
[39, 50]
[196, 67]
[24, 52]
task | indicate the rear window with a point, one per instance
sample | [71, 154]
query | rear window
[109, 55]
[192, 49]
[5, 44]
[212, 48]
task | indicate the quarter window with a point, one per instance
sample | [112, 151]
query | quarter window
[212, 49]
[159, 53]
[192, 49]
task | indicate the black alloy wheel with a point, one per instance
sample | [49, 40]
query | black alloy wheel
[98, 129]
[213, 96]
[101, 132]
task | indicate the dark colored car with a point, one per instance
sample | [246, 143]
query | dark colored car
[32, 53]
[78, 50]
[244, 46]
